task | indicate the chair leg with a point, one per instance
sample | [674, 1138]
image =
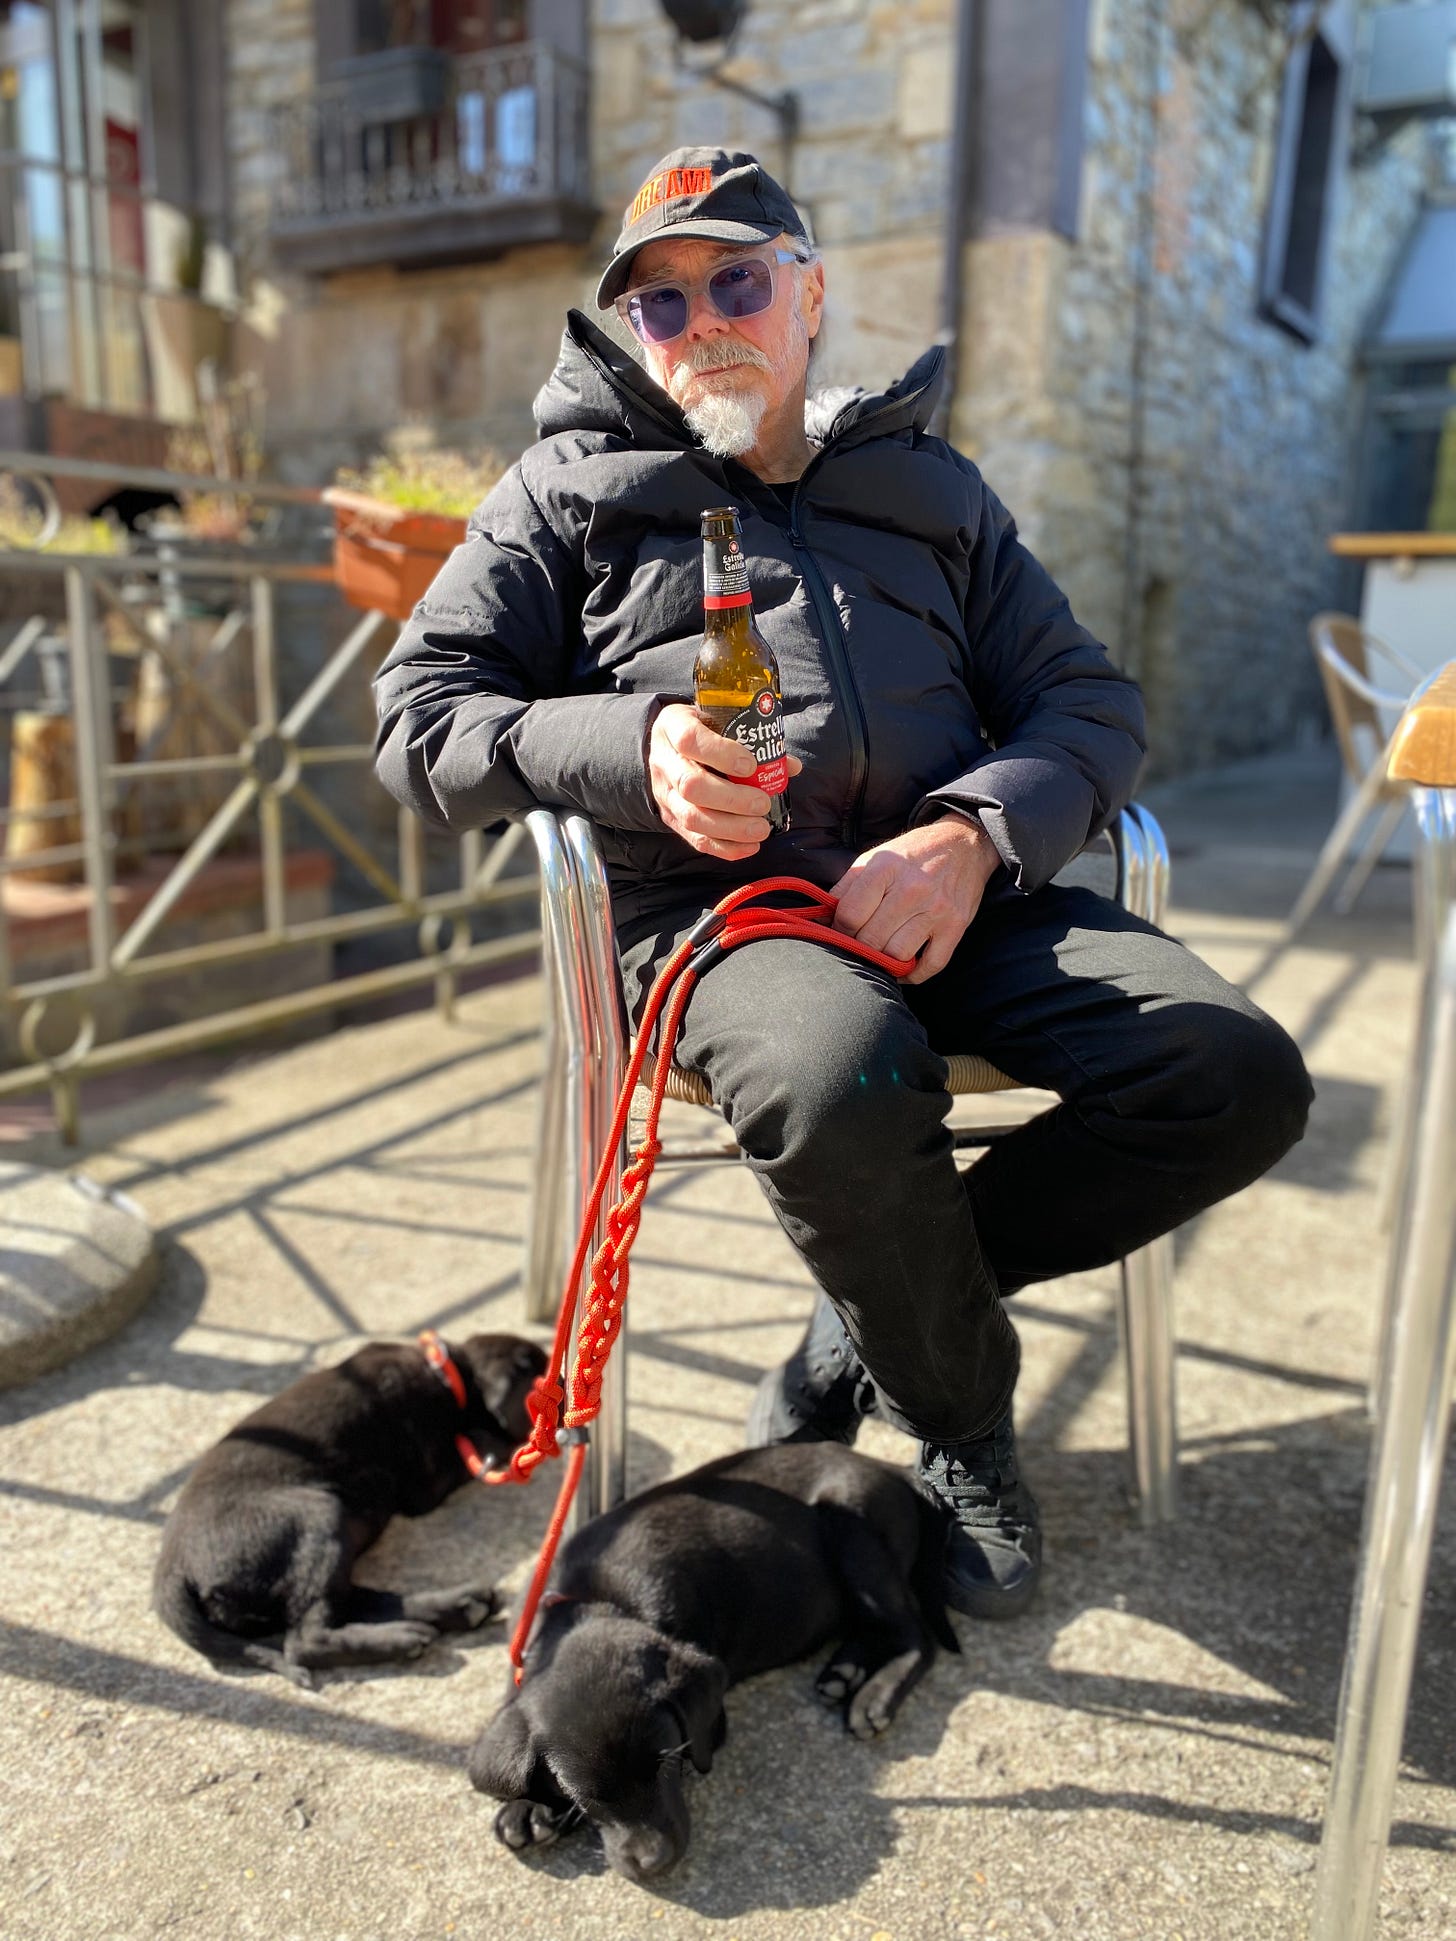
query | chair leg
[1348, 893]
[1148, 1344]
[1418, 1376]
[604, 1484]
[1336, 848]
[544, 1254]
[1146, 1310]
[561, 1155]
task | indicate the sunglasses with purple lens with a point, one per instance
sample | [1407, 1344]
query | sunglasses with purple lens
[742, 287]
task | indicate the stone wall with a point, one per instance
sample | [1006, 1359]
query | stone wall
[1185, 513]
[869, 167]
[269, 62]
[464, 350]
[1184, 509]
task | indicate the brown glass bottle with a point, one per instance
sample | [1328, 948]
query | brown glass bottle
[736, 678]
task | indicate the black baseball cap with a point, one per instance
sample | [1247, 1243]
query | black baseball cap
[707, 192]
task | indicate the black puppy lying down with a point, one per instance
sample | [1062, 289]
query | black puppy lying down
[256, 1558]
[662, 1604]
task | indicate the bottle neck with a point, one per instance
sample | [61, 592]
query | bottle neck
[727, 622]
[726, 591]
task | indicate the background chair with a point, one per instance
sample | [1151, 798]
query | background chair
[586, 1050]
[1364, 716]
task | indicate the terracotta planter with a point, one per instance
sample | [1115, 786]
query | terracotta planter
[385, 557]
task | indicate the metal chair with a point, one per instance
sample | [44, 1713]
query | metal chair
[1364, 717]
[1417, 1376]
[586, 1050]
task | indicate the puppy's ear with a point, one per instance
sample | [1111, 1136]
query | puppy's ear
[502, 1757]
[693, 1691]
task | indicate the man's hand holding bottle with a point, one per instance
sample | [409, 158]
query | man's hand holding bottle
[697, 783]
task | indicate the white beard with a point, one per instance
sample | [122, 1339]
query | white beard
[726, 423]
[725, 417]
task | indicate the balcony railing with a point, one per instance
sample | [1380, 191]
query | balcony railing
[503, 161]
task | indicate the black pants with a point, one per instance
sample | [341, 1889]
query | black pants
[1175, 1092]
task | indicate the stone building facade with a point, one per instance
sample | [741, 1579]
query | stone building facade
[1176, 458]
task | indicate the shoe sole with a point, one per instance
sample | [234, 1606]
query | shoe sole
[761, 1411]
[991, 1606]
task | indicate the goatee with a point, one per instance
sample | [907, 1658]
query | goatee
[726, 423]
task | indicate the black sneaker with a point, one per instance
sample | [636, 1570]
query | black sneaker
[993, 1554]
[820, 1394]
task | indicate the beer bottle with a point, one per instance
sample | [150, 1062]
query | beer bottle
[736, 678]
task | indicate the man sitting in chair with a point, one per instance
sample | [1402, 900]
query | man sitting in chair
[955, 738]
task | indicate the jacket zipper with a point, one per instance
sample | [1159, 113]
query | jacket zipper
[841, 668]
[841, 675]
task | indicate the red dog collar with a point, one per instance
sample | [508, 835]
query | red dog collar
[438, 1356]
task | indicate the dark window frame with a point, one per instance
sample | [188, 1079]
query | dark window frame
[1311, 151]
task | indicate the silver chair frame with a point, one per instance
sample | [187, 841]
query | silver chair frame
[586, 1049]
[1355, 701]
[1416, 1380]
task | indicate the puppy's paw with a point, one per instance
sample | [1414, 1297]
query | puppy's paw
[870, 1713]
[414, 1636]
[464, 1608]
[398, 1641]
[523, 1823]
[873, 1709]
[841, 1677]
[479, 1606]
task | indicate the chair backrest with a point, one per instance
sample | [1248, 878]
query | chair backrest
[1342, 651]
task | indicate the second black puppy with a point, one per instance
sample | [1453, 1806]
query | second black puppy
[662, 1604]
[256, 1560]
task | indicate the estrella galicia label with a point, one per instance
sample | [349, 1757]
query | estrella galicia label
[760, 726]
[725, 570]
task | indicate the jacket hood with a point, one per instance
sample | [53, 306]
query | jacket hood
[598, 386]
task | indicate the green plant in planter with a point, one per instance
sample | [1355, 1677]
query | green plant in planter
[396, 521]
[23, 528]
[428, 478]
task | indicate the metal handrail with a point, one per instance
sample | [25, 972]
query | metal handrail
[155, 478]
[271, 763]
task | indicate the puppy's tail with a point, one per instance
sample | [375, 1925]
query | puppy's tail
[927, 1574]
[176, 1602]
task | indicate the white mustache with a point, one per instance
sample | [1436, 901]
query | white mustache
[706, 359]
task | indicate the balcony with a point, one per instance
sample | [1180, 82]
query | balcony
[502, 161]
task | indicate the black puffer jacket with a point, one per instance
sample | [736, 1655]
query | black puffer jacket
[925, 656]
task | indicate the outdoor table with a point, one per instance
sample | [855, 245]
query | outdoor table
[1418, 1363]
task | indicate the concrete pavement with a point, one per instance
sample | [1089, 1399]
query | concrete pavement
[1143, 1757]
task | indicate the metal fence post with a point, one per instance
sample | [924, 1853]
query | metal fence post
[91, 704]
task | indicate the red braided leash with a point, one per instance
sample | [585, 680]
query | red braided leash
[725, 926]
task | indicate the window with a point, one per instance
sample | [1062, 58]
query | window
[101, 181]
[1308, 156]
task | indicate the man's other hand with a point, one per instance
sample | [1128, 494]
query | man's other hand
[697, 784]
[916, 894]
